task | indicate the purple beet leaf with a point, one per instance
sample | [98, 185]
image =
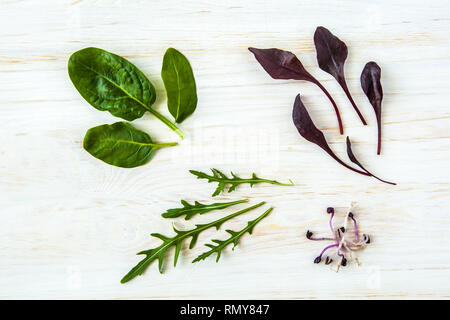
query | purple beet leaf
[371, 85]
[353, 159]
[331, 55]
[309, 131]
[280, 64]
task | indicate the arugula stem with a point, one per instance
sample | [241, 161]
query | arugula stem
[217, 223]
[223, 180]
[231, 181]
[197, 208]
[266, 181]
[221, 205]
[279, 183]
[167, 122]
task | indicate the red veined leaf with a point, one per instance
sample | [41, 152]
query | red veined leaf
[309, 131]
[331, 56]
[353, 159]
[371, 85]
[281, 64]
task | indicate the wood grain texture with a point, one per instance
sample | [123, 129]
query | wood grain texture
[71, 225]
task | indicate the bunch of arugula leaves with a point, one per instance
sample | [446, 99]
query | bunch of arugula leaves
[190, 210]
[159, 253]
[111, 83]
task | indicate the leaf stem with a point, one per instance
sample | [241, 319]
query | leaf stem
[379, 130]
[341, 128]
[190, 210]
[251, 181]
[166, 121]
[271, 182]
[343, 84]
[222, 220]
[166, 144]
[346, 165]
[355, 161]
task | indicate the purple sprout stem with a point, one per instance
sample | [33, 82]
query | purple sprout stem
[343, 258]
[338, 238]
[331, 223]
[326, 248]
[341, 242]
[319, 239]
[356, 228]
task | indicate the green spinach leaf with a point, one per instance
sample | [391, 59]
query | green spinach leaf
[180, 85]
[111, 83]
[121, 145]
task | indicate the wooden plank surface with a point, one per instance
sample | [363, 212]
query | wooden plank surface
[71, 225]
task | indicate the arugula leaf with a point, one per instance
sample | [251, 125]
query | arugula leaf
[121, 145]
[159, 252]
[111, 83]
[234, 239]
[224, 181]
[191, 210]
[180, 86]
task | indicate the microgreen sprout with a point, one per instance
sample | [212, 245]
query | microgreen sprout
[345, 243]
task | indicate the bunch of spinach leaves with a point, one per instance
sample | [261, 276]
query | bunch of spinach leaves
[111, 83]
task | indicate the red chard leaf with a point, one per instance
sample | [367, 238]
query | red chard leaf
[371, 85]
[353, 159]
[331, 56]
[309, 131]
[281, 64]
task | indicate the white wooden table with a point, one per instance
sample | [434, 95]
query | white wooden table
[71, 225]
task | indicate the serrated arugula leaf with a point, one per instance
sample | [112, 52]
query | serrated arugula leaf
[234, 239]
[198, 208]
[232, 182]
[176, 241]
